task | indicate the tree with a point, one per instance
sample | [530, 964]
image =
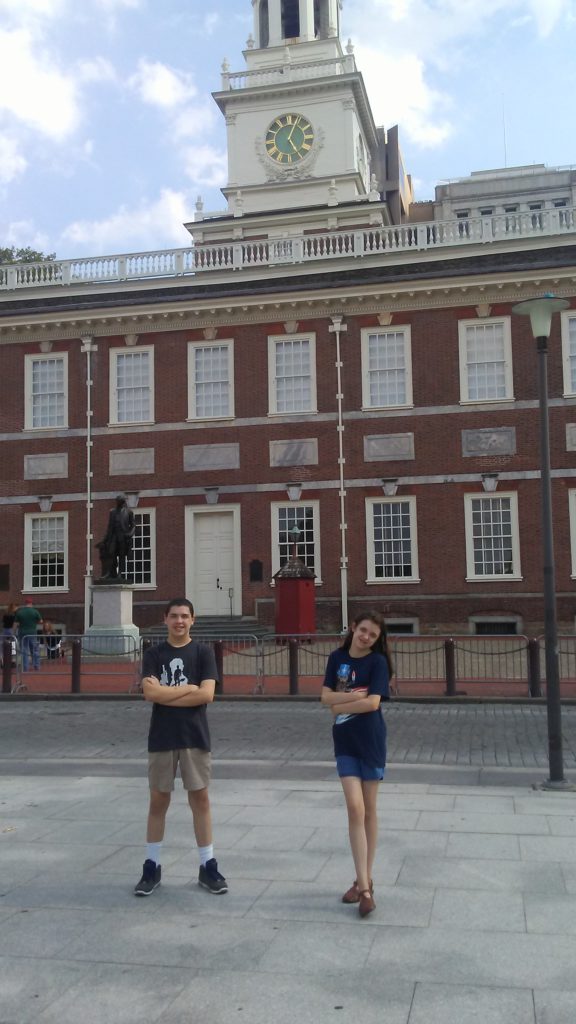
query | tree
[27, 255]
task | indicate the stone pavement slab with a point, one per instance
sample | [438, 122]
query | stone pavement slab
[475, 891]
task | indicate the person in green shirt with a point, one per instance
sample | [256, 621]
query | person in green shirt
[28, 619]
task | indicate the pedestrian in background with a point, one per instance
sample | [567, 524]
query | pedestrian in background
[28, 619]
[8, 620]
[357, 680]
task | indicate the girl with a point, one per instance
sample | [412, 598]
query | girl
[357, 679]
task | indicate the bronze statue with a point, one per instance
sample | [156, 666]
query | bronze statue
[116, 544]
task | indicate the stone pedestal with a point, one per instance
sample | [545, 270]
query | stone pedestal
[112, 631]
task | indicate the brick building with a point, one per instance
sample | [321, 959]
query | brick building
[327, 354]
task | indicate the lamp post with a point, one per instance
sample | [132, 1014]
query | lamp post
[540, 312]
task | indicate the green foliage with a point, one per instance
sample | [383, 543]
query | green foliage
[13, 255]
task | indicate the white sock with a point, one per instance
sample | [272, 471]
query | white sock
[206, 853]
[153, 852]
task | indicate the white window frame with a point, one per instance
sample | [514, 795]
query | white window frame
[371, 576]
[568, 362]
[275, 525]
[29, 361]
[29, 588]
[152, 584]
[192, 348]
[129, 351]
[463, 326]
[572, 522]
[516, 574]
[273, 341]
[368, 332]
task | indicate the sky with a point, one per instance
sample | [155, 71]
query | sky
[108, 132]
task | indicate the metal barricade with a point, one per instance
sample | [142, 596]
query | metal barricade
[497, 665]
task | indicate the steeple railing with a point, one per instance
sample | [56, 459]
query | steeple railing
[327, 246]
[287, 72]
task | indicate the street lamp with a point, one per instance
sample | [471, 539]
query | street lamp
[540, 312]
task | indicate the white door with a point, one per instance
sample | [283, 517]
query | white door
[213, 563]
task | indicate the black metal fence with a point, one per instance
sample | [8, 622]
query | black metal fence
[280, 665]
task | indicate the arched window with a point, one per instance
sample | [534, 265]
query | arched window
[290, 19]
[263, 25]
[321, 19]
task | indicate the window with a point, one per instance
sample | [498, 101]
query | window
[386, 368]
[463, 223]
[485, 360]
[568, 321]
[141, 565]
[494, 627]
[402, 627]
[306, 516]
[46, 383]
[46, 552]
[132, 385]
[211, 380]
[392, 548]
[572, 515]
[512, 219]
[492, 546]
[292, 374]
[535, 214]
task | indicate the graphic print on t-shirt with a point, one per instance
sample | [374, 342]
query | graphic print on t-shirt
[347, 675]
[174, 674]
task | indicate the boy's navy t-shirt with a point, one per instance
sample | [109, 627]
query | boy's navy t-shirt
[173, 728]
[360, 735]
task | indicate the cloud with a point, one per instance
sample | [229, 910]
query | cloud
[23, 234]
[211, 22]
[96, 70]
[206, 165]
[400, 95]
[162, 86]
[26, 12]
[141, 227]
[44, 97]
[409, 51]
[12, 163]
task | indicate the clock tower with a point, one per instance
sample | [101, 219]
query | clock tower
[301, 137]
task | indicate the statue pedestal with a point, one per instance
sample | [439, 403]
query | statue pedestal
[112, 631]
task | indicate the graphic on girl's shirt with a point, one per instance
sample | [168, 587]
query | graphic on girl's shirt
[175, 675]
[346, 676]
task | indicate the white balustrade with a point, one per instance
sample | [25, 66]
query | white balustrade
[285, 73]
[327, 245]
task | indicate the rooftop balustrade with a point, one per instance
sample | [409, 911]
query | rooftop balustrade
[328, 247]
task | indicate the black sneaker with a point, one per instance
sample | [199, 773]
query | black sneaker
[210, 878]
[151, 875]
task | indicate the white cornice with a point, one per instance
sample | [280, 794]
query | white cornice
[373, 299]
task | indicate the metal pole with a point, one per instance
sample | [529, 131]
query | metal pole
[336, 328]
[553, 706]
[87, 348]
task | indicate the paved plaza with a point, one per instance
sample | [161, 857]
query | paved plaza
[475, 879]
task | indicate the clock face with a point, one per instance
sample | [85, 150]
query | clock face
[289, 138]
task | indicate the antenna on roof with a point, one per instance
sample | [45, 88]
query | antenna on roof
[504, 132]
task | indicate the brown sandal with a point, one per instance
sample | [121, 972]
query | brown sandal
[352, 895]
[366, 903]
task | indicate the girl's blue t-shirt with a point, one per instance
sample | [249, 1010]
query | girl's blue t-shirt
[360, 735]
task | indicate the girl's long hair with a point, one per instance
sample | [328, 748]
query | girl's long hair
[380, 646]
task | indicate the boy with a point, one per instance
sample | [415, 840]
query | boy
[179, 678]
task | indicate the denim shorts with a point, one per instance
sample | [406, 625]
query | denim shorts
[356, 766]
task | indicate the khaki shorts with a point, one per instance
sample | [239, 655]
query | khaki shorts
[195, 769]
